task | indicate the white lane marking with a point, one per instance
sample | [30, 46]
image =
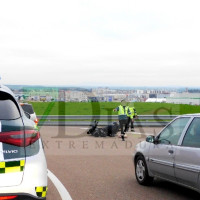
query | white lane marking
[74, 127]
[59, 186]
[138, 133]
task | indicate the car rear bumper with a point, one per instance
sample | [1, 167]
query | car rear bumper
[34, 181]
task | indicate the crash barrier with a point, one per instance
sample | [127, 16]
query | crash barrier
[87, 120]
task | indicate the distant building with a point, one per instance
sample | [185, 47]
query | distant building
[184, 98]
[140, 91]
[153, 96]
[163, 95]
[176, 98]
[61, 95]
[119, 97]
[93, 99]
[76, 96]
[154, 100]
[43, 98]
[105, 94]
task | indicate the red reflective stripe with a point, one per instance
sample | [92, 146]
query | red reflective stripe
[8, 197]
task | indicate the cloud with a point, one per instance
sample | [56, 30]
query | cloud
[100, 42]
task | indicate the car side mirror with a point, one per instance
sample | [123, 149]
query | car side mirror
[156, 141]
[150, 139]
[27, 115]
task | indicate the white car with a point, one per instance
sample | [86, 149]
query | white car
[23, 168]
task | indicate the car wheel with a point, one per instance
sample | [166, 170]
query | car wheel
[141, 172]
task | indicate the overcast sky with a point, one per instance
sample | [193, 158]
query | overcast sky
[100, 42]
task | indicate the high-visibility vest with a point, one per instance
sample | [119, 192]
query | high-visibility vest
[123, 111]
[133, 112]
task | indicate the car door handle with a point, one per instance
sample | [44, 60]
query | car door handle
[171, 151]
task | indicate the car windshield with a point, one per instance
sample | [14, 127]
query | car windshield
[8, 108]
[27, 108]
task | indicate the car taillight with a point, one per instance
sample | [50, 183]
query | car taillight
[7, 197]
[18, 138]
[36, 121]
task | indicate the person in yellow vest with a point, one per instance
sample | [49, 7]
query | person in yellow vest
[123, 112]
[131, 118]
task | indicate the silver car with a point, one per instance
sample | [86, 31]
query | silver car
[172, 155]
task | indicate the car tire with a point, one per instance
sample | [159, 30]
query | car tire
[141, 172]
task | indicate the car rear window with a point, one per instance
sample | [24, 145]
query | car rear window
[27, 108]
[8, 108]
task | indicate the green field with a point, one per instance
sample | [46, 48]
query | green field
[105, 108]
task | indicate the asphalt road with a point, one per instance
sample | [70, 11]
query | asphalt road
[101, 168]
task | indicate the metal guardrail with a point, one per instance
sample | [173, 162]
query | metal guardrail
[59, 120]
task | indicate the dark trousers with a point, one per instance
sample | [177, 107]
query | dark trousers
[128, 122]
[123, 125]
